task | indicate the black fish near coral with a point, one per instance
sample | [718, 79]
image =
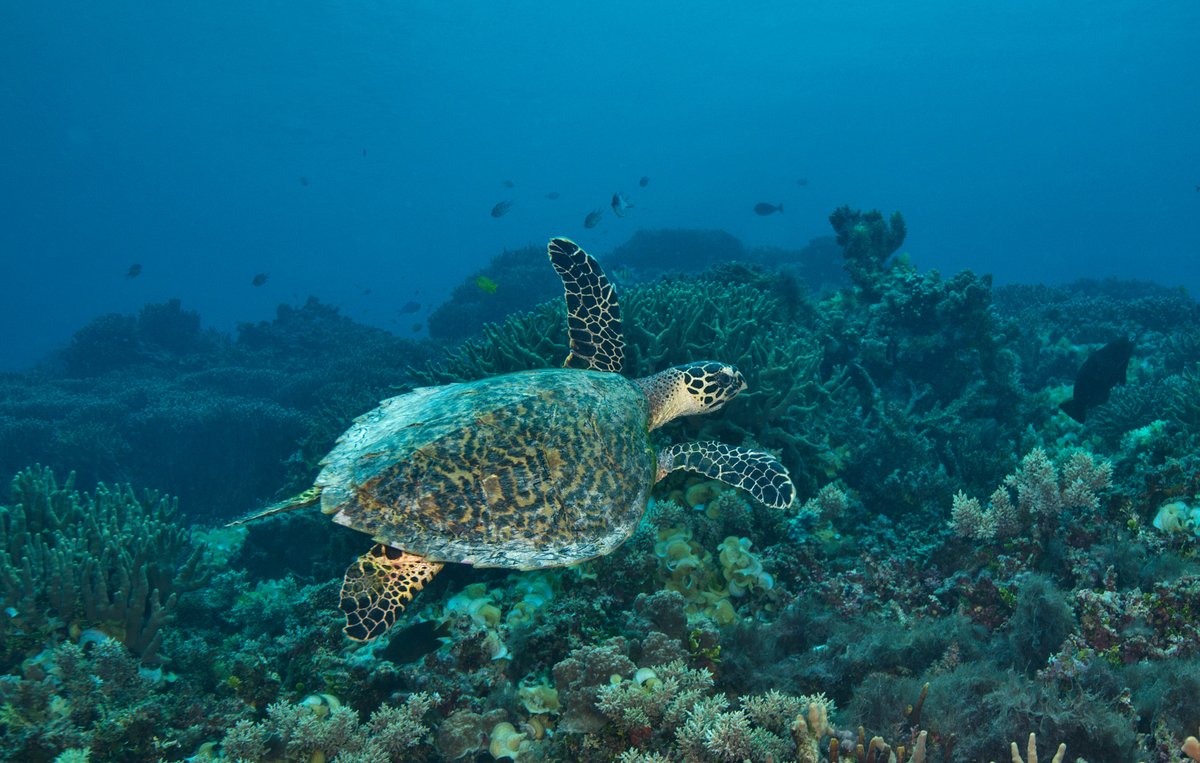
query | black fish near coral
[1104, 369]
[593, 218]
[764, 209]
[501, 209]
[644, 181]
[135, 270]
[260, 279]
[410, 307]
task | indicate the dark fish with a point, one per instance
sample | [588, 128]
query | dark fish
[620, 203]
[802, 181]
[410, 307]
[304, 181]
[364, 152]
[593, 218]
[260, 279]
[553, 195]
[416, 327]
[135, 270]
[1104, 369]
[509, 184]
[501, 209]
[763, 208]
[645, 181]
[416, 641]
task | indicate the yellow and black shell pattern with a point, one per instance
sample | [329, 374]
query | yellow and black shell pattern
[526, 470]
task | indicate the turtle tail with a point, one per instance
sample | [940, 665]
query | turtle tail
[303, 500]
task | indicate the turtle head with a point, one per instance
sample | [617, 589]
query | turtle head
[701, 387]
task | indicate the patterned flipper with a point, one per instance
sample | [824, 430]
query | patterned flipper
[758, 473]
[593, 315]
[378, 585]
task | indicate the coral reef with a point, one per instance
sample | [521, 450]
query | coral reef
[522, 281]
[651, 253]
[965, 563]
[221, 424]
[112, 561]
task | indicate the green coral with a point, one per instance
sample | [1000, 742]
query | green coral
[113, 560]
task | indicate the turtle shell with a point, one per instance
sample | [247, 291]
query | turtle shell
[526, 470]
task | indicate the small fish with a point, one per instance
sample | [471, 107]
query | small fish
[593, 218]
[620, 203]
[1104, 369]
[763, 208]
[509, 184]
[410, 307]
[644, 181]
[364, 152]
[553, 195]
[135, 270]
[260, 279]
[417, 327]
[501, 209]
[304, 181]
[11, 611]
[486, 285]
[802, 181]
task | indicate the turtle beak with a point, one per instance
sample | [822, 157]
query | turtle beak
[739, 381]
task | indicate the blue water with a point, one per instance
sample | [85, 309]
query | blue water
[1037, 141]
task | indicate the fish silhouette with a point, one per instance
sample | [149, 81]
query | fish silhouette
[1104, 369]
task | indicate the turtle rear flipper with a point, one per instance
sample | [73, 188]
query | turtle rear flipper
[593, 315]
[308, 498]
[378, 585]
[758, 473]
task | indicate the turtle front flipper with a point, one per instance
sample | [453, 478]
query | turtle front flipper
[593, 315]
[758, 473]
[378, 585]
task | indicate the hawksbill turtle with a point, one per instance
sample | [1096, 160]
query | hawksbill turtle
[525, 470]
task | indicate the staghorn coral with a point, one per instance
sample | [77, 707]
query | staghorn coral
[111, 560]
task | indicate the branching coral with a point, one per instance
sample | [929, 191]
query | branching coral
[673, 707]
[867, 241]
[392, 733]
[113, 560]
[1042, 491]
